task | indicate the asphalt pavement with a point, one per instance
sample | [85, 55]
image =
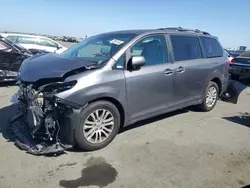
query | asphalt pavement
[182, 149]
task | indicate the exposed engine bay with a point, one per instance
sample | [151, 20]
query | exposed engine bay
[36, 127]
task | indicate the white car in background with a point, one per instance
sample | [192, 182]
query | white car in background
[35, 42]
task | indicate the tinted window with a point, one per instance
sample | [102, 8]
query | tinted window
[186, 47]
[46, 42]
[27, 40]
[212, 47]
[153, 49]
[12, 38]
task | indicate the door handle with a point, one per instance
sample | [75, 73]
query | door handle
[180, 69]
[168, 72]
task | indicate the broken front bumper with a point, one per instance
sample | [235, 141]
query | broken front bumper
[20, 134]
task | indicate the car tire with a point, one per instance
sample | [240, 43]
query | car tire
[210, 98]
[235, 77]
[90, 122]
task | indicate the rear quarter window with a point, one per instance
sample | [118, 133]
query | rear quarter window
[212, 47]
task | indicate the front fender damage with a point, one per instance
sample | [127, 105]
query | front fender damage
[43, 125]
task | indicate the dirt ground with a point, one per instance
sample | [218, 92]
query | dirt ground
[182, 149]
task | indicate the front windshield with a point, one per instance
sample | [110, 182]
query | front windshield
[99, 48]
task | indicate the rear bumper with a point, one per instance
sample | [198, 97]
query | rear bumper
[239, 70]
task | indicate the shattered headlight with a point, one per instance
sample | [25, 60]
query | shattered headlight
[67, 85]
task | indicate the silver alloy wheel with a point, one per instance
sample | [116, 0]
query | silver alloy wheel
[211, 96]
[98, 126]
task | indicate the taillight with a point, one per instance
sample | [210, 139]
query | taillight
[233, 60]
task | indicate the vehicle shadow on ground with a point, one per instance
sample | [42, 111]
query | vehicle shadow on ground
[246, 82]
[6, 113]
[241, 119]
[247, 186]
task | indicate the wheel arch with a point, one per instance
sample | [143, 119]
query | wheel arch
[218, 82]
[118, 105]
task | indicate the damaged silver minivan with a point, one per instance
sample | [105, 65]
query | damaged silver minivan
[83, 96]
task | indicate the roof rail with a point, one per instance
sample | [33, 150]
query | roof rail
[185, 30]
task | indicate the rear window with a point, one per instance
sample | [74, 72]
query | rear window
[27, 40]
[212, 47]
[186, 47]
[245, 54]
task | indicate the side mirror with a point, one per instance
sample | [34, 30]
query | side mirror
[136, 62]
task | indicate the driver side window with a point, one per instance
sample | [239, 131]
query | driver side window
[152, 48]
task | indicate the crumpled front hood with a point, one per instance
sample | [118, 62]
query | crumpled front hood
[48, 66]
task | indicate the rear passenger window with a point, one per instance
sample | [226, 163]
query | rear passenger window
[212, 47]
[185, 47]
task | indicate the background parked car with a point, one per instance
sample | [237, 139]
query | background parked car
[65, 39]
[233, 53]
[11, 57]
[35, 42]
[240, 66]
[79, 40]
